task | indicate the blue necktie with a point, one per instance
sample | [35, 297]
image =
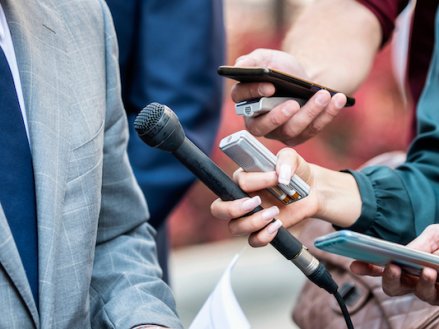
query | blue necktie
[17, 187]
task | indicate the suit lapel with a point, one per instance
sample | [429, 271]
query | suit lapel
[10, 260]
[40, 43]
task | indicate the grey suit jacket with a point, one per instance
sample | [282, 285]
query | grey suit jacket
[97, 263]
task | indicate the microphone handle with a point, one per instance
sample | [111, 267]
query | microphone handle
[221, 184]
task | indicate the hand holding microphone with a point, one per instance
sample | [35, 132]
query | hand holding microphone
[159, 127]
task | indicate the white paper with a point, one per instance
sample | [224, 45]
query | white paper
[221, 310]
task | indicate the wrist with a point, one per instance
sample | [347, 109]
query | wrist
[338, 197]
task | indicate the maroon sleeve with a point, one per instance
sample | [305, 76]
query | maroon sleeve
[386, 12]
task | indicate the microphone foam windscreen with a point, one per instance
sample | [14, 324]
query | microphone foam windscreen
[148, 117]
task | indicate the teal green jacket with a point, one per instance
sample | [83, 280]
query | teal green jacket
[399, 203]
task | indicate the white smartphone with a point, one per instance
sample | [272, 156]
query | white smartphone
[376, 251]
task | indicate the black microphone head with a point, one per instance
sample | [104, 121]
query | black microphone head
[158, 126]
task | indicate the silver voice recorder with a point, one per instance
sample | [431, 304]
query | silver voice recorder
[258, 106]
[251, 155]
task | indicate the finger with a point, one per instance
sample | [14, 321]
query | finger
[290, 163]
[280, 115]
[251, 90]
[299, 127]
[409, 279]
[227, 210]
[274, 59]
[428, 240]
[426, 287]
[362, 268]
[392, 285]
[296, 212]
[254, 222]
[255, 181]
[236, 173]
[258, 57]
[266, 235]
[286, 165]
[338, 101]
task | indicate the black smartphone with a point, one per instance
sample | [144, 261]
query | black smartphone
[286, 84]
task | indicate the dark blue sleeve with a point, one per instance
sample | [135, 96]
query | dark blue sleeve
[169, 53]
[399, 204]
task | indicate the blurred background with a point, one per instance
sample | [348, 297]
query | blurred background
[265, 284]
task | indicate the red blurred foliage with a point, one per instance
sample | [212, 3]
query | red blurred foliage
[378, 123]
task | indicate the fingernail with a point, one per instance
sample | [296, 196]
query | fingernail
[274, 227]
[339, 101]
[269, 213]
[251, 204]
[322, 99]
[285, 174]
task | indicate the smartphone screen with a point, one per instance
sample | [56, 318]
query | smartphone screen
[376, 251]
[286, 85]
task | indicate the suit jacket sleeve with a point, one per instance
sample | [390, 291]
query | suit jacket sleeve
[126, 288]
[399, 204]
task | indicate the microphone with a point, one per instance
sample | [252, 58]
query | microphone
[158, 126]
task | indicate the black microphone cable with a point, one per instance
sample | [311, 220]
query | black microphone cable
[158, 126]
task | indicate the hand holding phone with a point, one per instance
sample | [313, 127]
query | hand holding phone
[376, 251]
[286, 85]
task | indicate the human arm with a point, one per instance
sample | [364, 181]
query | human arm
[126, 289]
[329, 192]
[396, 282]
[392, 204]
[327, 37]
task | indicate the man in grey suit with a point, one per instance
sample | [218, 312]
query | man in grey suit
[90, 260]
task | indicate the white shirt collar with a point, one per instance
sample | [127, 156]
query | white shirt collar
[8, 47]
[2, 23]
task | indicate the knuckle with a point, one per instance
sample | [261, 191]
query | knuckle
[311, 113]
[389, 291]
[276, 120]
[432, 228]
[424, 297]
[255, 241]
[267, 180]
[243, 183]
[234, 211]
[257, 52]
[313, 129]
[291, 130]
[287, 151]
[233, 228]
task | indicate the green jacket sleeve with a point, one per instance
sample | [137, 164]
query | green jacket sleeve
[398, 204]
